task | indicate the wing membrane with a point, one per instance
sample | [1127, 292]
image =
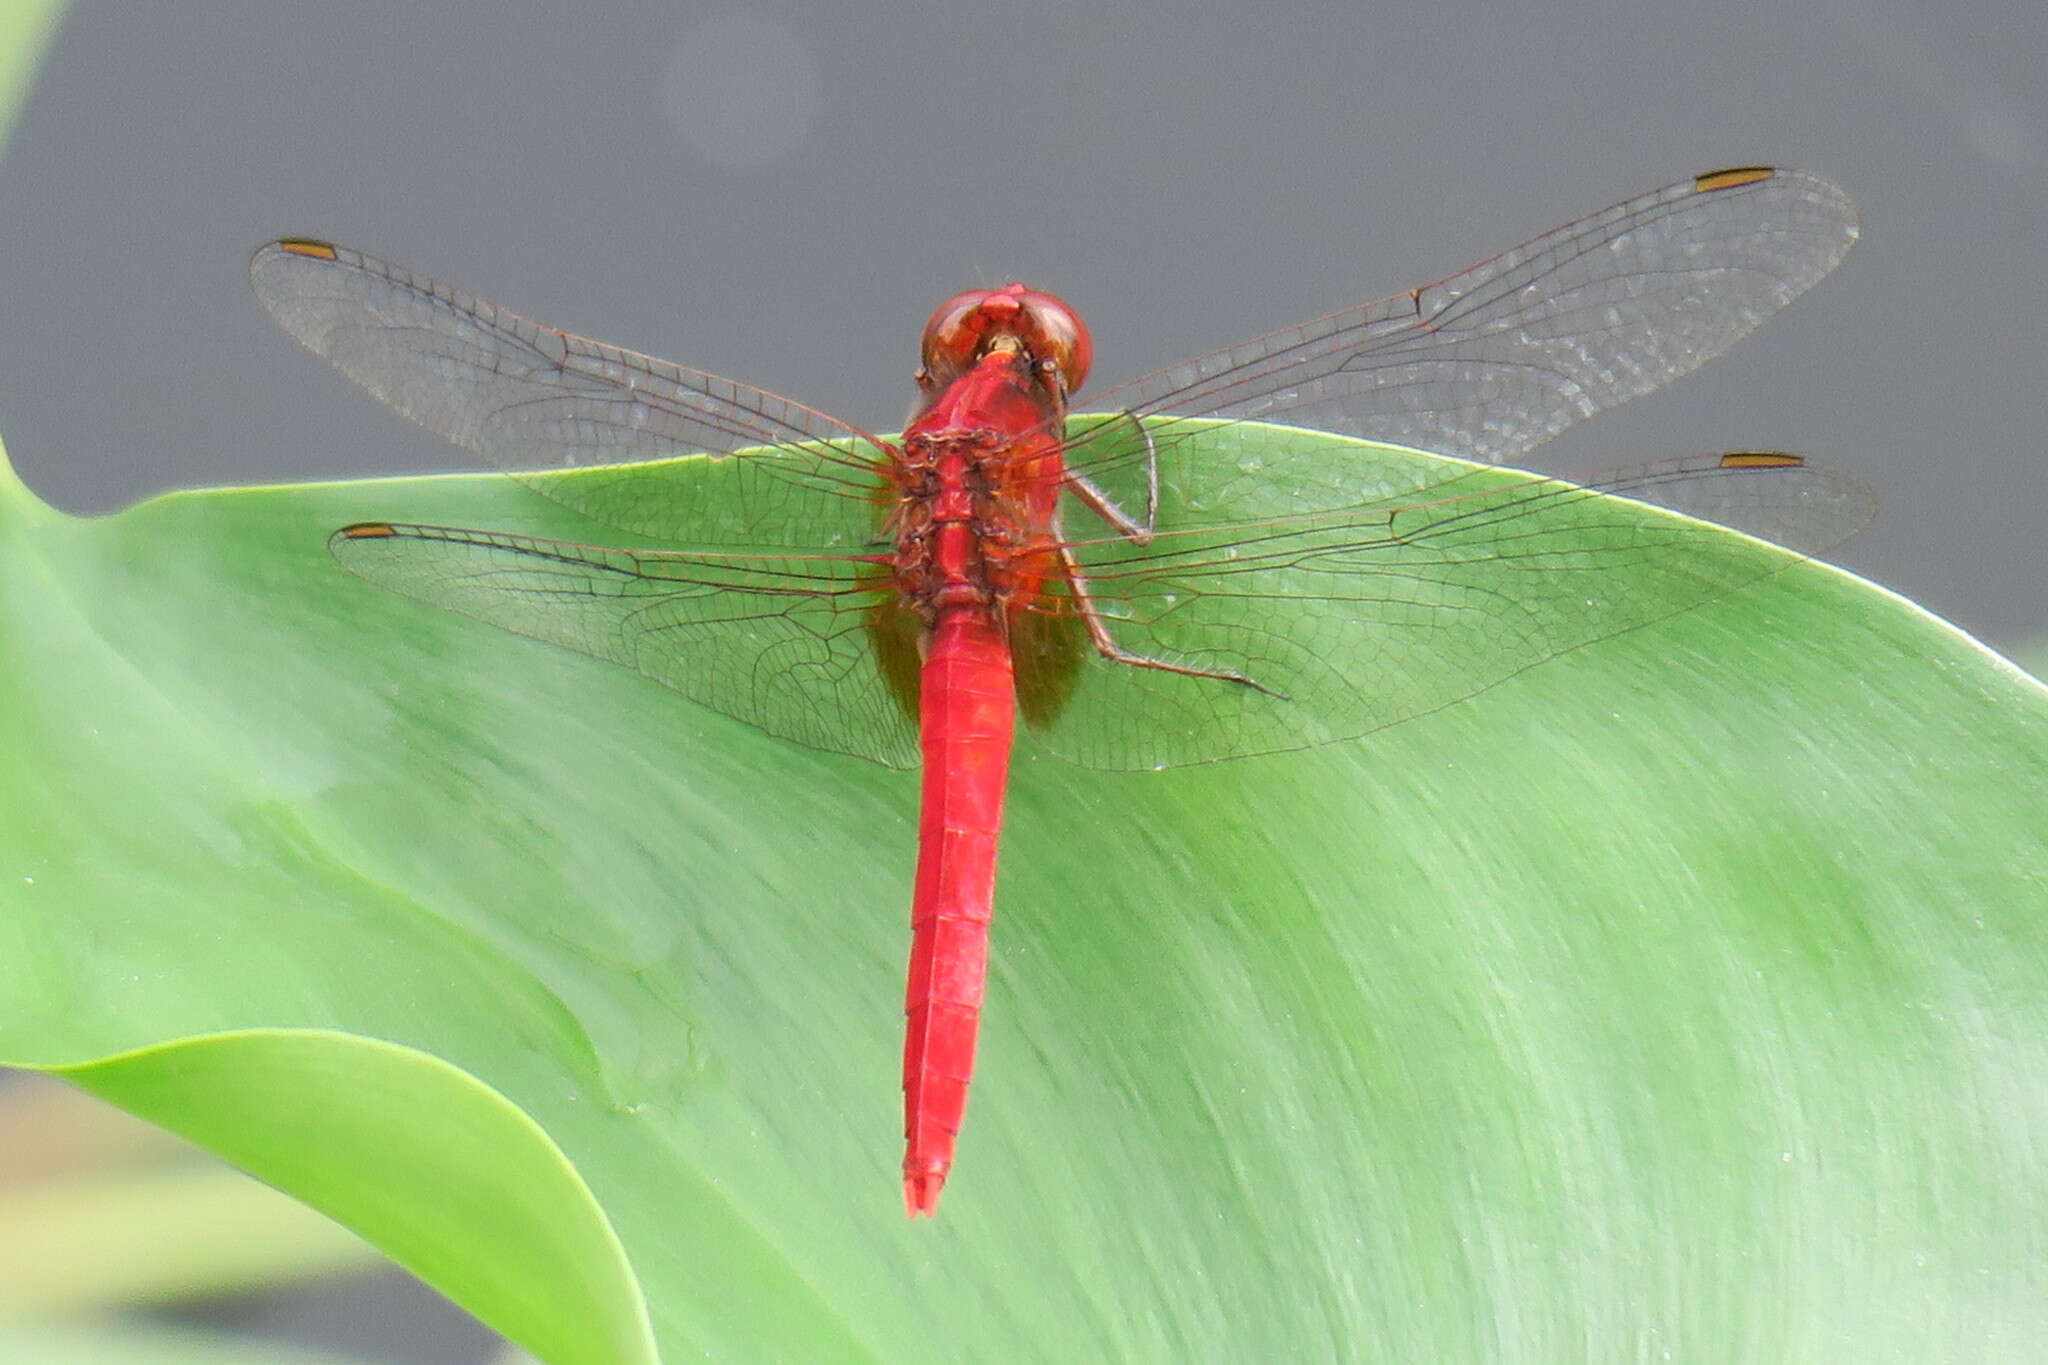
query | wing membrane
[1364, 616]
[1494, 360]
[537, 402]
[778, 642]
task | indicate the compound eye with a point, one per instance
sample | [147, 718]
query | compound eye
[954, 336]
[1055, 332]
[961, 328]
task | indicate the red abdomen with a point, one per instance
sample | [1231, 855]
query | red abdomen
[967, 707]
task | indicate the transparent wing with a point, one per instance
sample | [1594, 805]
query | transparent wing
[782, 643]
[535, 400]
[1496, 359]
[1355, 618]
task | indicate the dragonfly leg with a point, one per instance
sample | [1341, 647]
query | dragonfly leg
[1106, 645]
[1096, 500]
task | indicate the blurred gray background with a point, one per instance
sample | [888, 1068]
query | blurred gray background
[781, 192]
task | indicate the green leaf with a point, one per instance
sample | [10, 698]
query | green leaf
[26, 27]
[1683, 995]
[434, 1194]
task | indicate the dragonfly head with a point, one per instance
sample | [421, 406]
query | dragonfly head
[1038, 326]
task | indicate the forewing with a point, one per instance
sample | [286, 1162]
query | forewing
[1353, 619]
[537, 401]
[778, 642]
[1496, 359]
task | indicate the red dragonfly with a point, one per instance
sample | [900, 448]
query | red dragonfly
[907, 598]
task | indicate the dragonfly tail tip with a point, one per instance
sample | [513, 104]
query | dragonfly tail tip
[921, 1193]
